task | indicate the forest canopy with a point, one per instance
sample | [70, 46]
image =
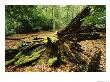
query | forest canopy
[30, 18]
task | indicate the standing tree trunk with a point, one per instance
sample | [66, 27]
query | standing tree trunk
[73, 12]
[67, 14]
[53, 16]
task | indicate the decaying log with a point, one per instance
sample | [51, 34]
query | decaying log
[10, 54]
[92, 28]
[54, 52]
[95, 62]
[88, 36]
[25, 48]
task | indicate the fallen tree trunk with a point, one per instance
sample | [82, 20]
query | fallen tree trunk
[75, 23]
[24, 47]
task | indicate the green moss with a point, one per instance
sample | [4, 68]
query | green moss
[10, 62]
[26, 59]
[53, 38]
[44, 40]
[41, 61]
[14, 59]
[51, 61]
[34, 63]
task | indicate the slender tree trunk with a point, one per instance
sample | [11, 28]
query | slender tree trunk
[67, 13]
[59, 14]
[73, 13]
[53, 17]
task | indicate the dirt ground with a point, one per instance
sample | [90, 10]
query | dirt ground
[26, 37]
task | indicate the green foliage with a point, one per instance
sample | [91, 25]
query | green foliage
[28, 18]
[51, 61]
[97, 16]
[25, 19]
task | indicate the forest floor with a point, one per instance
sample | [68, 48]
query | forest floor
[14, 39]
[90, 47]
